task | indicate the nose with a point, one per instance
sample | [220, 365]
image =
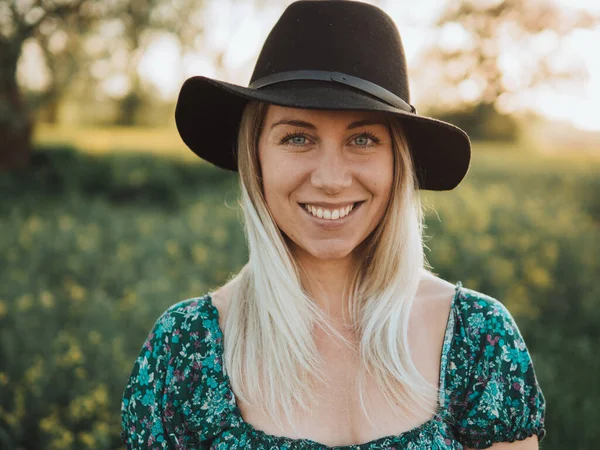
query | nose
[332, 172]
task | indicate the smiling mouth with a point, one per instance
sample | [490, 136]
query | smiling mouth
[331, 214]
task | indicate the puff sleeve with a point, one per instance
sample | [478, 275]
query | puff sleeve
[149, 407]
[500, 397]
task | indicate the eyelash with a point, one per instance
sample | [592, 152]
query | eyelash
[368, 134]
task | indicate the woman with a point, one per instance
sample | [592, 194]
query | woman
[331, 335]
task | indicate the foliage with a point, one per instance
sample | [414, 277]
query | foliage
[526, 231]
[482, 121]
[88, 41]
[94, 248]
[493, 52]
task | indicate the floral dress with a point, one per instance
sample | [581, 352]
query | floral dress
[179, 395]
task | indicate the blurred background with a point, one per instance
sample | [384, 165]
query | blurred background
[106, 218]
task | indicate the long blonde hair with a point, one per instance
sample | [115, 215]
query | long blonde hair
[270, 354]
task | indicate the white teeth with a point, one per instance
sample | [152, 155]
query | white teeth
[329, 214]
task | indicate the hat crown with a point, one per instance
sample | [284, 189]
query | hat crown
[344, 36]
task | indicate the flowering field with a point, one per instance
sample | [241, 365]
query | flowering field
[93, 247]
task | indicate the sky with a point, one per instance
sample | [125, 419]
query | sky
[239, 31]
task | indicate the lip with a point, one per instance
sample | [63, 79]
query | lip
[331, 224]
[332, 205]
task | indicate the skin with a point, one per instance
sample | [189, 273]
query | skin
[337, 157]
[309, 156]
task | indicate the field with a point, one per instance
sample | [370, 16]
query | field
[96, 244]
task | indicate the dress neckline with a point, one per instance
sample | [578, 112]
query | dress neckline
[433, 421]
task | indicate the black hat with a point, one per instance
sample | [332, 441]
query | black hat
[332, 55]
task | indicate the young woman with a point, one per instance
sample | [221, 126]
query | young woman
[334, 334]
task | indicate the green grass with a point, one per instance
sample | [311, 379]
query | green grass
[95, 245]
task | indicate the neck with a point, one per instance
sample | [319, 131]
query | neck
[327, 282]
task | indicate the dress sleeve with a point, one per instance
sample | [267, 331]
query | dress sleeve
[149, 416]
[502, 401]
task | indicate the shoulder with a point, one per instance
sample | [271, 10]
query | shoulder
[433, 303]
[220, 300]
[181, 330]
[485, 322]
[177, 381]
[429, 317]
[434, 289]
[486, 335]
[494, 392]
[193, 314]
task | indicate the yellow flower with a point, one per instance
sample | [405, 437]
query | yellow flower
[47, 299]
[94, 337]
[100, 395]
[64, 441]
[124, 251]
[199, 253]
[77, 291]
[81, 373]
[33, 224]
[539, 277]
[11, 419]
[87, 439]
[219, 235]
[49, 423]
[25, 238]
[19, 398]
[34, 373]
[81, 407]
[65, 223]
[145, 226]
[172, 248]
[519, 303]
[85, 242]
[73, 356]
[101, 428]
[24, 302]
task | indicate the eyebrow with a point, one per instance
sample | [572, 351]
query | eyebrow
[303, 124]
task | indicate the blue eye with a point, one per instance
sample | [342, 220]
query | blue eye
[366, 140]
[361, 141]
[295, 139]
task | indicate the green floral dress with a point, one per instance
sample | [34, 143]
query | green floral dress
[179, 395]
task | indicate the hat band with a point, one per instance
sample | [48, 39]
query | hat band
[321, 75]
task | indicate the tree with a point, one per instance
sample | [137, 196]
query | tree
[62, 46]
[73, 23]
[478, 39]
[141, 20]
[19, 21]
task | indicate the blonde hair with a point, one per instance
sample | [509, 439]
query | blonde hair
[270, 355]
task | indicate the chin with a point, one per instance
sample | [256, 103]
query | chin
[329, 252]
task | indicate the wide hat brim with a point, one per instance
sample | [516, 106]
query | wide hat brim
[208, 115]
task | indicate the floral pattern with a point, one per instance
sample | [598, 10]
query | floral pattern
[179, 395]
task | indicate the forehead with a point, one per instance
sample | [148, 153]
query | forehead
[321, 117]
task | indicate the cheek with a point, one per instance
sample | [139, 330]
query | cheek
[280, 178]
[380, 176]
